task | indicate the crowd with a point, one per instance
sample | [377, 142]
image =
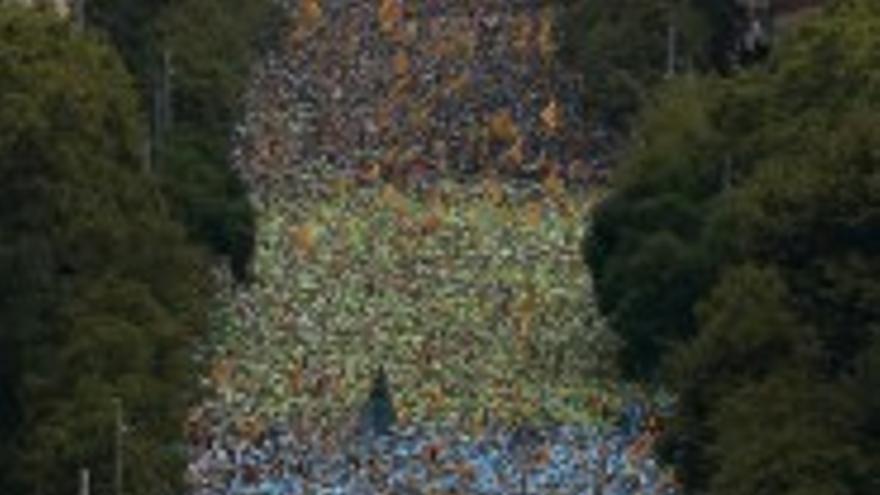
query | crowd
[370, 276]
[583, 460]
[414, 88]
[407, 92]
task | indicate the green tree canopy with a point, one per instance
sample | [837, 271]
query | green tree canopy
[775, 168]
[196, 72]
[101, 293]
[625, 48]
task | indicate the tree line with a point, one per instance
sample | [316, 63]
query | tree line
[737, 252]
[106, 238]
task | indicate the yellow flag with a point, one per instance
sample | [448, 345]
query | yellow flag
[436, 398]
[391, 155]
[545, 34]
[420, 116]
[458, 83]
[514, 157]
[492, 191]
[304, 238]
[502, 126]
[383, 114]
[534, 211]
[553, 185]
[310, 12]
[341, 187]
[221, 372]
[550, 117]
[439, 48]
[393, 199]
[390, 13]
[296, 378]
[371, 172]
[523, 34]
[465, 43]
[437, 203]
[400, 63]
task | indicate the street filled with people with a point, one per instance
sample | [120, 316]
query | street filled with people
[419, 89]
[420, 174]
[431, 460]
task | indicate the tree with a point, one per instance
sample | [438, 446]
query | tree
[101, 294]
[130, 27]
[865, 386]
[196, 72]
[737, 168]
[790, 433]
[625, 49]
[747, 331]
[645, 246]
[211, 65]
[775, 186]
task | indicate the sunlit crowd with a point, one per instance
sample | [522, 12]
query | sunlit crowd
[407, 92]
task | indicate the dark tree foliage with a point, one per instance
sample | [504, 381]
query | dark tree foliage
[750, 206]
[864, 388]
[100, 293]
[787, 433]
[645, 251]
[209, 63]
[130, 27]
[747, 330]
[623, 49]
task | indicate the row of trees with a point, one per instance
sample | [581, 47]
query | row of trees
[191, 60]
[625, 48]
[104, 252]
[738, 253]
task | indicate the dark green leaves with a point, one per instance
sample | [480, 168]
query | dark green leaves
[101, 294]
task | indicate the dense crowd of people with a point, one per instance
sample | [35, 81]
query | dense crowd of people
[371, 277]
[572, 460]
[405, 92]
[416, 89]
